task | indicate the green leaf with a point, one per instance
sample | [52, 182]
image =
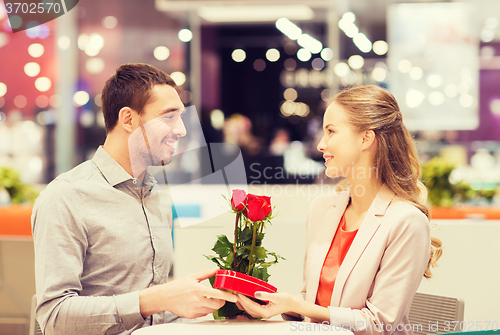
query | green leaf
[259, 252]
[228, 310]
[246, 235]
[229, 261]
[242, 266]
[243, 251]
[222, 247]
[260, 273]
[215, 260]
[276, 257]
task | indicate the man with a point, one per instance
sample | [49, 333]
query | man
[103, 247]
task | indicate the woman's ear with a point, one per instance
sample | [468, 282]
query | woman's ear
[368, 139]
[125, 119]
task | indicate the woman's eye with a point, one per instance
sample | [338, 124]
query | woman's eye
[330, 131]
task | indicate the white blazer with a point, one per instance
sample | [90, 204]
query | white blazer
[383, 268]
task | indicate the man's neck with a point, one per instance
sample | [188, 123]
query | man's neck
[115, 148]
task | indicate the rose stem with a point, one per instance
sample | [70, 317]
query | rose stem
[236, 226]
[250, 266]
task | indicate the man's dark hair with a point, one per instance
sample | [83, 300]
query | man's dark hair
[130, 87]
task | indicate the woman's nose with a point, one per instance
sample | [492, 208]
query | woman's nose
[321, 145]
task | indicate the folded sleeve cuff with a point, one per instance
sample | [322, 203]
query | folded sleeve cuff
[341, 316]
[129, 310]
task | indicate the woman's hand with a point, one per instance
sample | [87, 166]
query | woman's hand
[278, 303]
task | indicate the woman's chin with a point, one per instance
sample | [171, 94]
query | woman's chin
[332, 172]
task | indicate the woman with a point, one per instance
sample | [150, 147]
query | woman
[368, 247]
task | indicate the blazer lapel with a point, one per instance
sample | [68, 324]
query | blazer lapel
[324, 240]
[368, 228]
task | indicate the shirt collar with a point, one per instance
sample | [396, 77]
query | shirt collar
[114, 172]
[110, 169]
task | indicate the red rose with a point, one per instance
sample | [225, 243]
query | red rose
[238, 201]
[258, 207]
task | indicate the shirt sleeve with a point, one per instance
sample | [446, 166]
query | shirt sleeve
[60, 242]
[400, 273]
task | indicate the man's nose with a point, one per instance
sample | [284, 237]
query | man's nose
[179, 128]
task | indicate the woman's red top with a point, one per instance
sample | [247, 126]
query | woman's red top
[338, 250]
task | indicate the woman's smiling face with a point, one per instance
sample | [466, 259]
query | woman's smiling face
[341, 144]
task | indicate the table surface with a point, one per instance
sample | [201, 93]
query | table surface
[239, 327]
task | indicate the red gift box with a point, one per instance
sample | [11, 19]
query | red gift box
[241, 283]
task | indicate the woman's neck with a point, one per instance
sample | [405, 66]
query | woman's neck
[363, 191]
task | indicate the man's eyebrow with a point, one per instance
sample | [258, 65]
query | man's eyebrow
[172, 109]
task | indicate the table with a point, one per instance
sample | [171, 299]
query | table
[240, 327]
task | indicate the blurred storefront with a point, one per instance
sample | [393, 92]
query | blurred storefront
[259, 74]
[276, 70]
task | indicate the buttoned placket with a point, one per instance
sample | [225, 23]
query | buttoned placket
[144, 191]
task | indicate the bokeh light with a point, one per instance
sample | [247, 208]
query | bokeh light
[3, 89]
[32, 69]
[185, 35]
[272, 55]
[356, 62]
[238, 55]
[20, 101]
[80, 98]
[43, 84]
[36, 50]
[178, 77]
[290, 94]
[63, 42]
[259, 65]
[161, 52]
[109, 22]
[304, 55]
[380, 47]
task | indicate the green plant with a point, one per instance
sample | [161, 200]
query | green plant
[246, 254]
[441, 192]
[19, 192]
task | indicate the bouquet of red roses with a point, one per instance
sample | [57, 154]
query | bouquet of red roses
[246, 254]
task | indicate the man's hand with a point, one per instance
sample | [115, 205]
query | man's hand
[184, 297]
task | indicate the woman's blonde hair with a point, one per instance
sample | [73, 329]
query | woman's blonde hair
[396, 161]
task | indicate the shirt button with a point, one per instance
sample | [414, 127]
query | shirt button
[135, 181]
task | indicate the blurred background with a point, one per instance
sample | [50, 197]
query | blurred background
[260, 74]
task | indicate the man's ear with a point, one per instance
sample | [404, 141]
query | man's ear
[368, 139]
[125, 119]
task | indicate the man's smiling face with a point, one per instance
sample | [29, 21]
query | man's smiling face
[157, 129]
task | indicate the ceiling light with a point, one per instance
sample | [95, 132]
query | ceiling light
[255, 13]
[310, 43]
[287, 27]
